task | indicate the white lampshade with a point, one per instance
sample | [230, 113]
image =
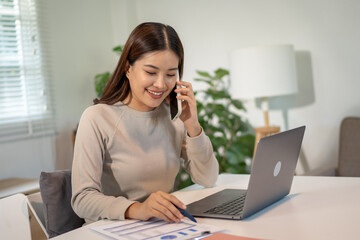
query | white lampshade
[264, 71]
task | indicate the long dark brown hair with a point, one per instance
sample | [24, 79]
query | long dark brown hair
[146, 37]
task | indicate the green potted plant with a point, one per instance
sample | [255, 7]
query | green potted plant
[102, 78]
[219, 115]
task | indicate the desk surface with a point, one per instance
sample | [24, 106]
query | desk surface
[316, 208]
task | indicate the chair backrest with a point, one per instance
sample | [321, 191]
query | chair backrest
[349, 151]
[55, 188]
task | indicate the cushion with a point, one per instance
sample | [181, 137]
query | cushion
[349, 150]
[55, 188]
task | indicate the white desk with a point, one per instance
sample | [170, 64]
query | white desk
[316, 208]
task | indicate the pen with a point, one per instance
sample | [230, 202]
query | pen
[186, 214]
[201, 235]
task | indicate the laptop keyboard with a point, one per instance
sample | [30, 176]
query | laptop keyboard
[232, 207]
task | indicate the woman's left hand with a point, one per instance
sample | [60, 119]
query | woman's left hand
[189, 109]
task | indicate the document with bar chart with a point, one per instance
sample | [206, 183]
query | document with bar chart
[155, 230]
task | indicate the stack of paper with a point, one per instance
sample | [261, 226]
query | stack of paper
[155, 229]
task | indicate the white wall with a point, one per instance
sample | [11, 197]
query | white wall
[326, 36]
[27, 158]
[81, 46]
[81, 43]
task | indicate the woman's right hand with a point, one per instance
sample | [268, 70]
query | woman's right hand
[158, 204]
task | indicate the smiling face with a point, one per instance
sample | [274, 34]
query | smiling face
[151, 78]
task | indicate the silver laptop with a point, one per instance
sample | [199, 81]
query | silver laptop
[271, 178]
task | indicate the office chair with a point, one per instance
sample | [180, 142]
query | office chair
[349, 149]
[36, 217]
[55, 189]
[349, 152]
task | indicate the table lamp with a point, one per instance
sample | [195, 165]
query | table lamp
[263, 72]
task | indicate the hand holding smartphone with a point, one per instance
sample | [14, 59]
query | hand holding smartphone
[175, 104]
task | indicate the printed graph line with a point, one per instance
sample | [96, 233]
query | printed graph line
[168, 232]
[141, 230]
[137, 225]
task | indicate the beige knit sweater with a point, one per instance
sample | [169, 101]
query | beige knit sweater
[122, 155]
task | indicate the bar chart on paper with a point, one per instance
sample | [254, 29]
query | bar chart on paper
[154, 230]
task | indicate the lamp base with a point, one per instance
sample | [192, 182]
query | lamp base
[264, 132]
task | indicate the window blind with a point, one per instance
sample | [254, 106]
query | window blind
[26, 105]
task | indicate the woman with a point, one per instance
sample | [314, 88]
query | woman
[127, 151]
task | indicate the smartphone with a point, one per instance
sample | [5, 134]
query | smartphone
[175, 104]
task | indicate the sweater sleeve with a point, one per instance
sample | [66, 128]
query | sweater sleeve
[87, 199]
[200, 161]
